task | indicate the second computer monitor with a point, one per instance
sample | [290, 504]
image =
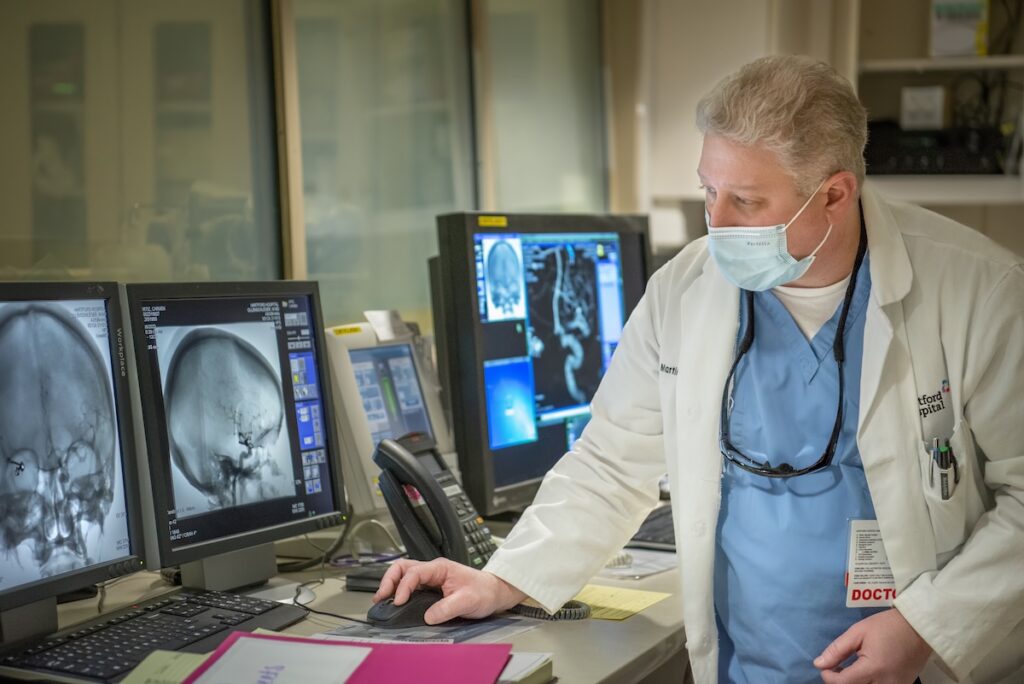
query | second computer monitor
[529, 310]
[383, 391]
[238, 416]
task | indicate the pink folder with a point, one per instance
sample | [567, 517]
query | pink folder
[402, 663]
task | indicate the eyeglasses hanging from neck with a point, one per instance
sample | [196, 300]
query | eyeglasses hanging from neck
[783, 470]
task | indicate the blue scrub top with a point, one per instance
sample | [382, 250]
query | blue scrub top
[781, 547]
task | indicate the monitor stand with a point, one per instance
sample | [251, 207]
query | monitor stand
[233, 570]
[29, 621]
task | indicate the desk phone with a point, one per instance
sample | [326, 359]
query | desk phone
[433, 514]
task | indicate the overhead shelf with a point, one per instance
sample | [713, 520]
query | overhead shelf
[933, 190]
[919, 65]
[939, 190]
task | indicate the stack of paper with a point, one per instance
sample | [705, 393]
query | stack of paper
[294, 659]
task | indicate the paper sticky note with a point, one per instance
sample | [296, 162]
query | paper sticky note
[615, 603]
[165, 667]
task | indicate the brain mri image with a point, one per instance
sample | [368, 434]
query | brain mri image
[563, 335]
[505, 292]
[225, 415]
[58, 441]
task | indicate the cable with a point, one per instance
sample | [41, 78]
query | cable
[373, 521]
[573, 610]
[101, 589]
[305, 606]
[356, 562]
[325, 556]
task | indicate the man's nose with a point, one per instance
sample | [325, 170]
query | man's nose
[719, 215]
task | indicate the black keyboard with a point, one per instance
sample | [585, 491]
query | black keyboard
[107, 649]
[656, 532]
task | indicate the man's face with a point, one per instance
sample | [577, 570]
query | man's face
[746, 186]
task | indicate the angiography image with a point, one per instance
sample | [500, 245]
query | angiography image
[225, 414]
[503, 266]
[561, 283]
[61, 494]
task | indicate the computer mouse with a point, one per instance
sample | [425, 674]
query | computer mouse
[410, 614]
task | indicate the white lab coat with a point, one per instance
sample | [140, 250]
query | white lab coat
[946, 303]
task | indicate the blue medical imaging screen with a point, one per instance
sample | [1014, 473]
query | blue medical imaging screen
[390, 391]
[240, 387]
[551, 309]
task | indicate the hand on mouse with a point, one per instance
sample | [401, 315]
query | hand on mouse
[467, 592]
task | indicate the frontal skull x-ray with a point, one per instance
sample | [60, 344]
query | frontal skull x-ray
[61, 495]
[506, 296]
[225, 415]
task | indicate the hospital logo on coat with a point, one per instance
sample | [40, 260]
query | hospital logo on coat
[928, 404]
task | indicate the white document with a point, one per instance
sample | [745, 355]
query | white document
[284, 662]
[869, 580]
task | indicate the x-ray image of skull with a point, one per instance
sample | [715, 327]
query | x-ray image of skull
[58, 438]
[506, 299]
[225, 419]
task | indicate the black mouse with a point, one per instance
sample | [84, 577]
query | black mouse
[410, 614]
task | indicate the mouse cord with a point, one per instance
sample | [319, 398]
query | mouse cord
[300, 604]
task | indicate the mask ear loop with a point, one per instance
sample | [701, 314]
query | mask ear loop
[827, 233]
[806, 204]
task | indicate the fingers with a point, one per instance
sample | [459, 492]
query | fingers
[432, 574]
[448, 608]
[389, 582]
[839, 650]
[858, 673]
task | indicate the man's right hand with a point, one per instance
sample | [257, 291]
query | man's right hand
[467, 592]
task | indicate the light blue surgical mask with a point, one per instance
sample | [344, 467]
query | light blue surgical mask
[757, 258]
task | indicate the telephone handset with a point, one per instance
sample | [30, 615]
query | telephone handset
[433, 514]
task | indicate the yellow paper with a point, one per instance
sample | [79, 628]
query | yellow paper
[165, 667]
[613, 603]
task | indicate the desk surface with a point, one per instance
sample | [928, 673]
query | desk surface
[584, 651]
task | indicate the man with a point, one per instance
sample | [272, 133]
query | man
[882, 331]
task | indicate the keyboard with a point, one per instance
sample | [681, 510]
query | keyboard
[106, 649]
[656, 532]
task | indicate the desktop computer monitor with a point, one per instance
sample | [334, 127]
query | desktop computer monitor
[383, 393]
[528, 311]
[238, 423]
[69, 512]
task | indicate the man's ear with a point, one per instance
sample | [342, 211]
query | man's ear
[842, 194]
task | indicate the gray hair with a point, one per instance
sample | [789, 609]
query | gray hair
[797, 107]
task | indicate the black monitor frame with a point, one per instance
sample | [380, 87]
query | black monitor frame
[156, 429]
[459, 332]
[78, 579]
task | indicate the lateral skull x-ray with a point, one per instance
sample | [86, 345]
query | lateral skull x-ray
[58, 438]
[225, 418]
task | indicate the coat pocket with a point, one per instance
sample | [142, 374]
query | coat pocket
[948, 512]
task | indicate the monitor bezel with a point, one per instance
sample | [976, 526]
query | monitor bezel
[133, 561]
[155, 428]
[466, 389]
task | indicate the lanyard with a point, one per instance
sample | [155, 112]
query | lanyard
[783, 470]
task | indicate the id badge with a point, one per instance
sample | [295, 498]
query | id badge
[869, 580]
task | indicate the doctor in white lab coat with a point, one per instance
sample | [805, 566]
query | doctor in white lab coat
[943, 324]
